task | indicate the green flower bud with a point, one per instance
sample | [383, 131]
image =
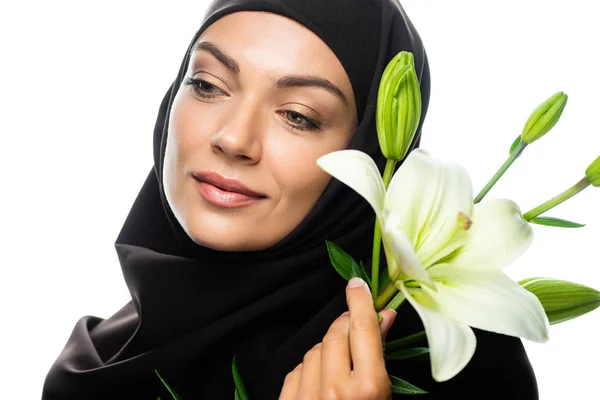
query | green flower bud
[398, 106]
[544, 117]
[562, 300]
[592, 173]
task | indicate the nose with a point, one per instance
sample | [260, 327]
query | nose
[240, 137]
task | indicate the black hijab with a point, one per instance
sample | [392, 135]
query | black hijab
[194, 308]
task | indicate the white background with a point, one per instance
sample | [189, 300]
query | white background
[80, 86]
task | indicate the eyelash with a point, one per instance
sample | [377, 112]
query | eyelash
[195, 83]
[196, 87]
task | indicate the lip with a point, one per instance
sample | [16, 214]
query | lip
[225, 192]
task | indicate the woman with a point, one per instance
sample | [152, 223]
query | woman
[224, 248]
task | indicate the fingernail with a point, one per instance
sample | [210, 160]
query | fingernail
[356, 282]
[346, 313]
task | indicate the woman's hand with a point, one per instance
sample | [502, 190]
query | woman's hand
[348, 364]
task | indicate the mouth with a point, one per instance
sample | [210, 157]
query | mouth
[225, 192]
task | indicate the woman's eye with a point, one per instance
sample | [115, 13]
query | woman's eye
[207, 90]
[202, 88]
[299, 121]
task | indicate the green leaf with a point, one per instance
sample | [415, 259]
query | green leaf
[365, 274]
[404, 342]
[240, 388]
[514, 144]
[358, 271]
[407, 353]
[175, 395]
[551, 221]
[400, 386]
[343, 262]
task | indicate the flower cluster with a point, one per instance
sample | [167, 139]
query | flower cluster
[445, 249]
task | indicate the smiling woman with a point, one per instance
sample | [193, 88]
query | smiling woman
[273, 112]
[224, 251]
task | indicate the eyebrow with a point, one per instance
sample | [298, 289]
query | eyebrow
[282, 82]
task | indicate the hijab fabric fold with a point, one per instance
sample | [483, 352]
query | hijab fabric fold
[193, 308]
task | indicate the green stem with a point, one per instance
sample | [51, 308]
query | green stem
[393, 304]
[385, 296]
[375, 261]
[405, 341]
[513, 156]
[388, 172]
[387, 176]
[553, 202]
[396, 301]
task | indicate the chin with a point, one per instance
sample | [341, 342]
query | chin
[222, 234]
[220, 245]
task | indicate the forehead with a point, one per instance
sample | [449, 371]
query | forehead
[274, 42]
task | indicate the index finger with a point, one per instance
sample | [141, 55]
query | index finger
[365, 335]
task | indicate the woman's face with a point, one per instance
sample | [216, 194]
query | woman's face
[263, 98]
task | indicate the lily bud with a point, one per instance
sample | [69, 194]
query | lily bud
[398, 106]
[592, 173]
[544, 117]
[562, 300]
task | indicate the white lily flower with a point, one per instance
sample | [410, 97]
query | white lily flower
[446, 254]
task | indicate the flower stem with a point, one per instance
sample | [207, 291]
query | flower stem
[388, 172]
[385, 296]
[553, 202]
[405, 341]
[396, 301]
[387, 177]
[513, 156]
[375, 261]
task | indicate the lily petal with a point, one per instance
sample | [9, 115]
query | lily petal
[490, 301]
[498, 236]
[428, 195]
[401, 249]
[357, 170]
[451, 343]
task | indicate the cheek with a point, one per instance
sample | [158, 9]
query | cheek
[301, 181]
[183, 128]
[183, 139]
[306, 185]
[188, 133]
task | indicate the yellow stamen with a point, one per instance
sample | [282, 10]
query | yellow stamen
[464, 221]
